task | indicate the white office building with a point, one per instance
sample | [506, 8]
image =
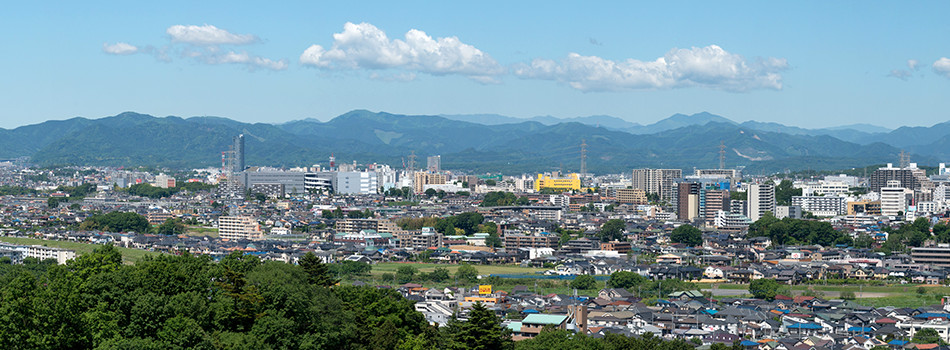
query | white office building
[356, 182]
[894, 198]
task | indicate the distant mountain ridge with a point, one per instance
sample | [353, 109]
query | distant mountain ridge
[681, 141]
[861, 133]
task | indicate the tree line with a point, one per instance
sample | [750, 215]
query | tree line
[790, 231]
[147, 190]
[192, 302]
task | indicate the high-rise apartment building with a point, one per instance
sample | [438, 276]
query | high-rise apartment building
[688, 200]
[911, 177]
[659, 181]
[761, 199]
[239, 165]
[434, 164]
[421, 179]
[714, 202]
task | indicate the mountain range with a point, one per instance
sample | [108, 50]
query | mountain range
[477, 143]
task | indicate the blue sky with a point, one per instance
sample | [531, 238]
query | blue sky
[811, 64]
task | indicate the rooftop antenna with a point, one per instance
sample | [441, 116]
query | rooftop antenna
[905, 160]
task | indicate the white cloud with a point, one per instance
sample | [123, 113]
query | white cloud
[246, 59]
[119, 48]
[207, 35]
[215, 55]
[709, 66]
[904, 74]
[942, 67]
[900, 74]
[202, 44]
[364, 46]
[400, 77]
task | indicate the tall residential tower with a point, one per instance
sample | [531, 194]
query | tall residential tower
[239, 153]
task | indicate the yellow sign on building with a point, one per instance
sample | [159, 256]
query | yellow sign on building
[484, 289]
[571, 182]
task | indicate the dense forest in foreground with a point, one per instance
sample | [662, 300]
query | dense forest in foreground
[193, 302]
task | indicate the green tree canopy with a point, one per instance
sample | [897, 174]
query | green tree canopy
[790, 231]
[116, 222]
[501, 199]
[927, 336]
[784, 192]
[584, 282]
[482, 331]
[764, 288]
[171, 226]
[467, 273]
[626, 279]
[318, 273]
[612, 230]
[687, 234]
[404, 274]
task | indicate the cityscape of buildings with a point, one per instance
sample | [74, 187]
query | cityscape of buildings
[358, 212]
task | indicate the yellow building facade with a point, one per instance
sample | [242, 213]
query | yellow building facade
[571, 182]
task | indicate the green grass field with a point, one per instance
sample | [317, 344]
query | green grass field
[911, 301]
[543, 286]
[202, 231]
[897, 295]
[893, 289]
[129, 256]
[391, 267]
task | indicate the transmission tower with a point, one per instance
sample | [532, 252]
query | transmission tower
[412, 161]
[583, 158]
[232, 185]
[722, 154]
[905, 160]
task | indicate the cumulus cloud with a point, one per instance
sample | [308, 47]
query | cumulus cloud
[904, 74]
[119, 48]
[942, 67]
[709, 66]
[900, 74]
[207, 35]
[244, 58]
[364, 46]
[205, 44]
[399, 77]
